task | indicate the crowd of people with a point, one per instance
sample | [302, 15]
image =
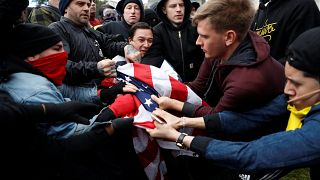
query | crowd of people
[81, 98]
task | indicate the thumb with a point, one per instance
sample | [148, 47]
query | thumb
[81, 119]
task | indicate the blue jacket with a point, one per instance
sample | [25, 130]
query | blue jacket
[286, 149]
[27, 88]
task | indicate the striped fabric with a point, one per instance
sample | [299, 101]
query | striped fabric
[149, 80]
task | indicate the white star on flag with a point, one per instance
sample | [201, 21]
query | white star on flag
[128, 79]
[148, 102]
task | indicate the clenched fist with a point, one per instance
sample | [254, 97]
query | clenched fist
[107, 67]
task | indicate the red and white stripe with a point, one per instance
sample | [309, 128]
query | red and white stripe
[146, 147]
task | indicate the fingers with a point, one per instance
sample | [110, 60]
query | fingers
[160, 113]
[134, 58]
[109, 72]
[107, 67]
[155, 98]
[130, 88]
[167, 117]
[132, 54]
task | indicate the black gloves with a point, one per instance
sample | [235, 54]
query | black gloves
[110, 94]
[122, 123]
[105, 115]
[70, 112]
[119, 123]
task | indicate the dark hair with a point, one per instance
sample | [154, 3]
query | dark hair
[139, 25]
[196, 5]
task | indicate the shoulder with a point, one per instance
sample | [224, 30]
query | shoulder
[159, 27]
[37, 88]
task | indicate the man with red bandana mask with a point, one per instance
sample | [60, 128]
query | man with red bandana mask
[45, 60]
[43, 54]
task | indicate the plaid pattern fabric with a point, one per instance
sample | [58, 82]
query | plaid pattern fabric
[44, 15]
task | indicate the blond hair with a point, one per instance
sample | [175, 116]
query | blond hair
[224, 15]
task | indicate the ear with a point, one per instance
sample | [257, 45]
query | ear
[129, 40]
[230, 37]
[164, 10]
[33, 58]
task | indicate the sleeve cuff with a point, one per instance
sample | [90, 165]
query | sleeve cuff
[188, 109]
[199, 145]
[212, 123]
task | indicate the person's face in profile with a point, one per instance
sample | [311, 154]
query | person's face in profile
[211, 42]
[57, 48]
[298, 85]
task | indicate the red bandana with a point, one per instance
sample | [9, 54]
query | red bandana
[52, 66]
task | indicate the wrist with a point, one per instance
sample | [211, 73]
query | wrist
[176, 105]
[180, 140]
[182, 123]
[174, 136]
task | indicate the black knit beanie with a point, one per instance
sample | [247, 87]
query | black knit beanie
[304, 52]
[63, 4]
[122, 4]
[31, 39]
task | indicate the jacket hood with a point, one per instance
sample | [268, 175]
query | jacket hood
[163, 17]
[122, 3]
[252, 50]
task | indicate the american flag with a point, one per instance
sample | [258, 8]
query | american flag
[152, 80]
[149, 80]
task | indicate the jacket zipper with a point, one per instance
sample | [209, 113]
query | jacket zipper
[182, 57]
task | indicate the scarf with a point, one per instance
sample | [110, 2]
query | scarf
[52, 66]
[296, 116]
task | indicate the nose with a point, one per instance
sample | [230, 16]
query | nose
[146, 44]
[198, 41]
[178, 8]
[87, 7]
[289, 90]
[132, 10]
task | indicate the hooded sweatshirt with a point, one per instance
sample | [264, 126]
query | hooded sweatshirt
[177, 45]
[281, 21]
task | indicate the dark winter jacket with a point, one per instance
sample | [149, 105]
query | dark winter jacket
[83, 46]
[250, 78]
[115, 27]
[281, 21]
[177, 45]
